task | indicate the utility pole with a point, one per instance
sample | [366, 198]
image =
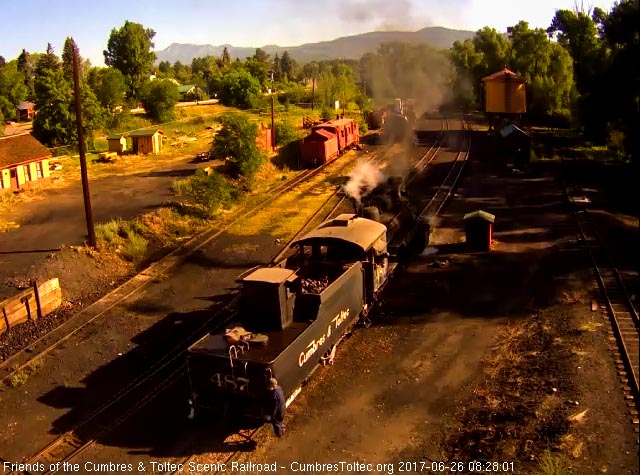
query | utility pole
[313, 92]
[81, 149]
[273, 129]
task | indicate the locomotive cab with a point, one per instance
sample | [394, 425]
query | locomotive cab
[267, 298]
[291, 316]
[348, 238]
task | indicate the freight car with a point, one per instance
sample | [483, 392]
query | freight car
[328, 140]
[291, 316]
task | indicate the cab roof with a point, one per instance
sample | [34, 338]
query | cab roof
[347, 228]
[271, 275]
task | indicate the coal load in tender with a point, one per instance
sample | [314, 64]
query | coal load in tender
[314, 286]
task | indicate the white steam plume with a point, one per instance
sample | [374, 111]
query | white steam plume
[362, 180]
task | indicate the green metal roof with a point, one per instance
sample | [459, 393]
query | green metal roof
[115, 137]
[480, 215]
[185, 88]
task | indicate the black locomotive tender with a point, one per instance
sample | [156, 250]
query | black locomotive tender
[292, 316]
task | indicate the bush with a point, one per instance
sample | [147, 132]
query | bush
[109, 231]
[327, 114]
[285, 133]
[135, 248]
[128, 234]
[291, 93]
[209, 192]
[236, 144]
[159, 99]
[238, 88]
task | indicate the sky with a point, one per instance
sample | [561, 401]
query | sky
[31, 24]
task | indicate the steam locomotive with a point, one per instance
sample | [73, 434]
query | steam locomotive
[292, 316]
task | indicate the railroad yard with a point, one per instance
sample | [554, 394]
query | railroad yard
[503, 358]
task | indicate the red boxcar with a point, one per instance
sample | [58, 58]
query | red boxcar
[346, 130]
[320, 146]
[329, 139]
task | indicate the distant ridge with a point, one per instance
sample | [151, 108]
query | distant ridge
[351, 47]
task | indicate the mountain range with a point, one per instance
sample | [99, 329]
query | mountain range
[350, 47]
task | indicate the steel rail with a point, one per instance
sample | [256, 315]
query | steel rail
[437, 144]
[70, 444]
[449, 183]
[624, 323]
[34, 353]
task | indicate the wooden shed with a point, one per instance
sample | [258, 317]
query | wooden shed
[117, 143]
[505, 93]
[25, 111]
[478, 227]
[146, 141]
[23, 161]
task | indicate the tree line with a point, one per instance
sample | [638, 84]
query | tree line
[581, 71]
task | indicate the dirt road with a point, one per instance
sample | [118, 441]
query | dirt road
[57, 216]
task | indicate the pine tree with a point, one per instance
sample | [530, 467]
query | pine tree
[277, 69]
[226, 57]
[26, 68]
[48, 61]
[286, 65]
[67, 59]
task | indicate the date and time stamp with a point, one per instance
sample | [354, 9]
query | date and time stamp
[473, 466]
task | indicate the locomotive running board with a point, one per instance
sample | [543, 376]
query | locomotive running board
[294, 395]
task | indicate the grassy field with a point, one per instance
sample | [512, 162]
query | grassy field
[185, 136]
[568, 143]
[285, 216]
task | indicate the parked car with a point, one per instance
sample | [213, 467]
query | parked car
[202, 157]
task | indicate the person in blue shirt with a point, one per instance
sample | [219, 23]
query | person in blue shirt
[278, 407]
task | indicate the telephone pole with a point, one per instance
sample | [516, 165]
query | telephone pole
[273, 129]
[313, 92]
[81, 149]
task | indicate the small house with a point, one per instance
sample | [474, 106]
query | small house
[25, 111]
[146, 141]
[23, 161]
[189, 92]
[478, 227]
[117, 143]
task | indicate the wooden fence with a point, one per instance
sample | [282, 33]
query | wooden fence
[35, 302]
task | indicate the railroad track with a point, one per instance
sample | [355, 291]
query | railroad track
[442, 194]
[161, 375]
[430, 154]
[623, 316]
[224, 459]
[164, 373]
[46, 343]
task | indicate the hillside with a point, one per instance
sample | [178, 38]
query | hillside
[346, 47]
